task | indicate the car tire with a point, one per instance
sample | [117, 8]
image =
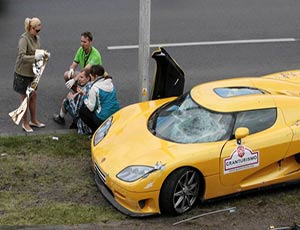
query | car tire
[180, 191]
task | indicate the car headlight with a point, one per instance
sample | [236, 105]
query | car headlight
[133, 173]
[102, 131]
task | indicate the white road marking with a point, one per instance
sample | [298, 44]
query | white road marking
[207, 43]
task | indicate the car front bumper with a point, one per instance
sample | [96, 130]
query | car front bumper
[129, 203]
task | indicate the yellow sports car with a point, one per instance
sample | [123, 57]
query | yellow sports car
[220, 138]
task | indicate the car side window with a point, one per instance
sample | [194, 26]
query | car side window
[256, 120]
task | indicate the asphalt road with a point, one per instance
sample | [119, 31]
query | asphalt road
[115, 23]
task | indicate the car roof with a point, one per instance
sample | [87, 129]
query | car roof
[260, 93]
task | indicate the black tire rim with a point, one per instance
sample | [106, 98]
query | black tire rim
[186, 191]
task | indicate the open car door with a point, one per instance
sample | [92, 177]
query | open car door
[169, 77]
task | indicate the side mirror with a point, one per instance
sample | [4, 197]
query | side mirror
[241, 133]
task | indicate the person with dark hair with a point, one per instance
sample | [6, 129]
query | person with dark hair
[86, 56]
[101, 101]
[23, 75]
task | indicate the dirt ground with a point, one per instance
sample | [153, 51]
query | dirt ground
[259, 210]
[256, 211]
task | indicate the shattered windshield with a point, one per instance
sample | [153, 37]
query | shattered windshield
[184, 121]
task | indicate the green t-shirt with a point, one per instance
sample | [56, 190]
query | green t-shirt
[83, 59]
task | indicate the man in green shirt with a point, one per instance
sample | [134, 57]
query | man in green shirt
[85, 57]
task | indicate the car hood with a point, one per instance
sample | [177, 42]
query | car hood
[129, 142]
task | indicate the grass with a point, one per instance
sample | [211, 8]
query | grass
[46, 181]
[49, 182]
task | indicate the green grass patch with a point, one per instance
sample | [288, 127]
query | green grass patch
[49, 182]
[46, 181]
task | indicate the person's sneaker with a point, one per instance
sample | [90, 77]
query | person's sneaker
[58, 119]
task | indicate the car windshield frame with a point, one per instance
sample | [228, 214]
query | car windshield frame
[185, 121]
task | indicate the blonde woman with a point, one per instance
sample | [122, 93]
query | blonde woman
[23, 76]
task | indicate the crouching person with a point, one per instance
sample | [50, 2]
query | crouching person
[72, 103]
[101, 101]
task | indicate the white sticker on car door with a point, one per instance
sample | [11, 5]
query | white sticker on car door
[241, 158]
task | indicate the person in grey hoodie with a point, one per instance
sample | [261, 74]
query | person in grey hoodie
[101, 101]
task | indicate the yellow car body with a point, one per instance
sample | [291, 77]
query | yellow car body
[243, 159]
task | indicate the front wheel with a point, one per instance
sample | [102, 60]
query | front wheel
[180, 191]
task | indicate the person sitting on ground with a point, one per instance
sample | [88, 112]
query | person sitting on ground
[101, 101]
[72, 103]
[86, 56]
